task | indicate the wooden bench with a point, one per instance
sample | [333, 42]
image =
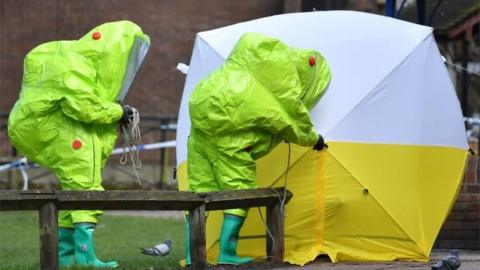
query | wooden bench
[49, 202]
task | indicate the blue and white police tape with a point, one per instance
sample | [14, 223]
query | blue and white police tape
[24, 164]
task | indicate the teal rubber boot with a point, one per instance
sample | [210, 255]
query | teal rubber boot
[188, 260]
[66, 247]
[85, 247]
[229, 241]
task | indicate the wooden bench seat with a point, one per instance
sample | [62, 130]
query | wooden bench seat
[49, 202]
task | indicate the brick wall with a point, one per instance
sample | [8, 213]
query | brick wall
[171, 25]
[461, 230]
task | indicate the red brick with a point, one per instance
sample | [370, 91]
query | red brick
[463, 188]
[458, 244]
[452, 225]
[464, 216]
[459, 234]
[462, 197]
[473, 144]
[471, 170]
[474, 206]
[478, 169]
[475, 188]
[460, 206]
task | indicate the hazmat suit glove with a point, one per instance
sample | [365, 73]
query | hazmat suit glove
[320, 145]
[127, 114]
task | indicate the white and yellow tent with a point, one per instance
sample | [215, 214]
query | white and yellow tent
[391, 118]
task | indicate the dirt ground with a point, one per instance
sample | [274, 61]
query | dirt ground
[470, 260]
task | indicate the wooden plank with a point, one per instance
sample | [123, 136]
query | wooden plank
[128, 200]
[102, 200]
[244, 198]
[127, 195]
[48, 236]
[275, 225]
[11, 200]
[140, 199]
[198, 253]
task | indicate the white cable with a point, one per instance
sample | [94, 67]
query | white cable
[472, 120]
[131, 137]
[462, 68]
[266, 227]
[150, 146]
[283, 209]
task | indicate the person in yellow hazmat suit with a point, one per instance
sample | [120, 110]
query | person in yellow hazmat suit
[66, 118]
[259, 97]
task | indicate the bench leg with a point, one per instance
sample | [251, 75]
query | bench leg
[275, 224]
[48, 236]
[197, 238]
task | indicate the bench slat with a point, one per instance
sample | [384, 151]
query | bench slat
[101, 200]
[11, 200]
[244, 198]
[128, 200]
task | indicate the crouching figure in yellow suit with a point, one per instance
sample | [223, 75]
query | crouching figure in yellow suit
[259, 97]
[66, 118]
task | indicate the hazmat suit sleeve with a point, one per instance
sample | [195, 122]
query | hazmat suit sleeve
[79, 101]
[293, 125]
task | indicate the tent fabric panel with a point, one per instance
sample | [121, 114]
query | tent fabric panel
[442, 175]
[417, 106]
[390, 173]
[402, 179]
[356, 70]
[304, 214]
[357, 227]
[316, 26]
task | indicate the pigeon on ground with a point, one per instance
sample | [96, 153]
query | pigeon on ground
[158, 250]
[450, 262]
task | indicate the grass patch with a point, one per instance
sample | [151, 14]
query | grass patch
[117, 238]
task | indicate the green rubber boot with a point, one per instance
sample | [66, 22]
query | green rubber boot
[229, 241]
[188, 260]
[85, 248]
[66, 248]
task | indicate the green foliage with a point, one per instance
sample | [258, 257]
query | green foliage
[117, 238]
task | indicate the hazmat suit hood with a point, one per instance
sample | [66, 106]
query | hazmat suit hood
[118, 50]
[308, 67]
